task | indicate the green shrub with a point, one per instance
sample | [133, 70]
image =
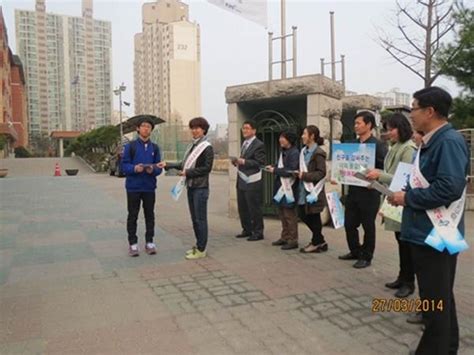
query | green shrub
[22, 152]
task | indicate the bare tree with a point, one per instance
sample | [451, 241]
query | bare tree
[422, 26]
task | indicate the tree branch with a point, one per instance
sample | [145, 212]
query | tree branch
[406, 13]
[434, 77]
[453, 54]
[444, 33]
[392, 46]
[441, 18]
[404, 64]
[424, 3]
[410, 41]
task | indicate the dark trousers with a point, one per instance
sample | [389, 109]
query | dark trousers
[435, 273]
[361, 209]
[313, 221]
[289, 224]
[407, 271]
[133, 205]
[250, 211]
[197, 202]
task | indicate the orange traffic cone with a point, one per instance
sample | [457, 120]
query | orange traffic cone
[57, 170]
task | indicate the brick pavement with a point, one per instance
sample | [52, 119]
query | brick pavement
[67, 286]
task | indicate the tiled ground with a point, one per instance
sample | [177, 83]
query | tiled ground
[67, 286]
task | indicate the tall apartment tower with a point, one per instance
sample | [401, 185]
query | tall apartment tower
[167, 66]
[68, 68]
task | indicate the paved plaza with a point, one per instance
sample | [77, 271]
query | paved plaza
[67, 285]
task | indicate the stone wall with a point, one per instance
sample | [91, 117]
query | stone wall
[323, 111]
[361, 102]
[323, 104]
[302, 85]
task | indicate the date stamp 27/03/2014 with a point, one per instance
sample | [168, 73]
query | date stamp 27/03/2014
[406, 305]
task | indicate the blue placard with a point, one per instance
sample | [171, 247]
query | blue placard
[348, 158]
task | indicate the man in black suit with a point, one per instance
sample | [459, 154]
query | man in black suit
[250, 183]
[362, 204]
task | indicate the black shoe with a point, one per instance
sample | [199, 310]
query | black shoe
[254, 238]
[321, 248]
[310, 248]
[406, 290]
[361, 264]
[394, 285]
[348, 256]
[243, 235]
[289, 246]
[415, 318]
[279, 242]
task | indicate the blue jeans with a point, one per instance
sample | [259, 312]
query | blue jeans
[197, 201]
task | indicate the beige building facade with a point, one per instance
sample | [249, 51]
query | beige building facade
[167, 66]
[68, 68]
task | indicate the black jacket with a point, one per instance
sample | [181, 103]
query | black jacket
[197, 177]
[254, 160]
[291, 161]
[316, 172]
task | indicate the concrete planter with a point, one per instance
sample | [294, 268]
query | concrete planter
[3, 173]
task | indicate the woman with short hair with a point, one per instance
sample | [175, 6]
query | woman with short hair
[194, 171]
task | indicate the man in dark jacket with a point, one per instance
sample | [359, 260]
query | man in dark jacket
[194, 170]
[286, 200]
[362, 204]
[434, 205]
[139, 165]
[250, 183]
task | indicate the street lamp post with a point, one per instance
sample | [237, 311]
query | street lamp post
[118, 92]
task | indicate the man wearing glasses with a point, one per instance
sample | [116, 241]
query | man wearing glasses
[250, 183]
[433, 217]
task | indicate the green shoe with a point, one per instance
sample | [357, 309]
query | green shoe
[190, 251]
[195, 254]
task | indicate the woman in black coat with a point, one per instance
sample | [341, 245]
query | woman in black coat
[312, 174]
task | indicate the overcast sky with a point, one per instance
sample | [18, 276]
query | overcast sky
[235, 51]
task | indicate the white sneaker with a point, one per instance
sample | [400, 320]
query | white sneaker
[150, 248]
[133, 250]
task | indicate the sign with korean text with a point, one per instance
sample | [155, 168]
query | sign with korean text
[349, 158]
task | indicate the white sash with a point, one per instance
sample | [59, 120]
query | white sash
[252, 178]
[188, 163]
[445, 233]
[313, 190]
[286, 185]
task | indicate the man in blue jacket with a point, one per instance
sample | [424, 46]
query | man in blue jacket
[440, 181]
[139, 165]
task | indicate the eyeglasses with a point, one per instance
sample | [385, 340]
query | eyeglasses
[417, 108]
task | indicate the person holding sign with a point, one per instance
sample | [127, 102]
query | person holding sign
[286, 190]
[194, 171]
[402, 148]
[433, 216]
[362, 204]
[138, 164]
[250, 183]
[312, 198]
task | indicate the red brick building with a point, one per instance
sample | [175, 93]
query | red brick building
[13, 114]
[19, 102]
